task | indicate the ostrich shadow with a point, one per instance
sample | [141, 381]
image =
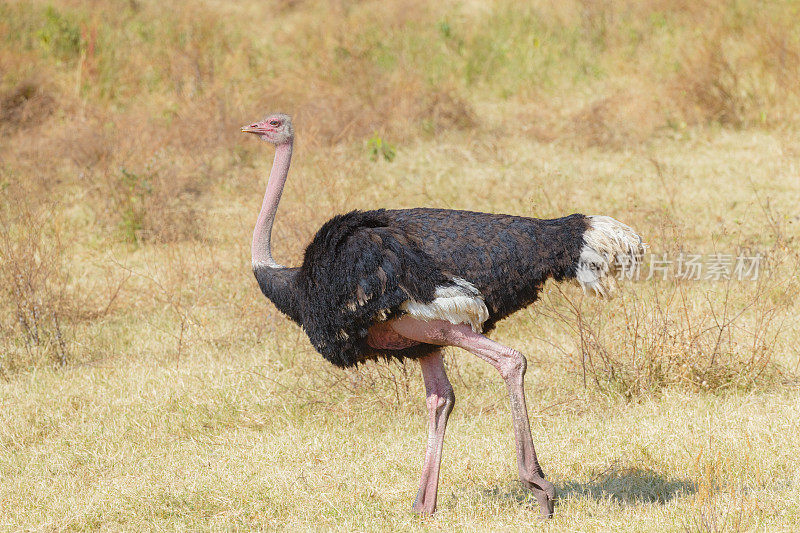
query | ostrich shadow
[626, 486]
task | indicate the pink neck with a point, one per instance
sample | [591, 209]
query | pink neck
[262, 234]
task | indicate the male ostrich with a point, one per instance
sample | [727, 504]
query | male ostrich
[405, 283]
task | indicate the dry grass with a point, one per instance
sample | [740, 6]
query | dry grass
[147, 384]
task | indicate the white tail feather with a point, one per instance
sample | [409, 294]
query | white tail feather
[610, 248]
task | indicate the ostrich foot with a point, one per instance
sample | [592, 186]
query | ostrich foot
[545, 494]
[425, 502]
[424, 506]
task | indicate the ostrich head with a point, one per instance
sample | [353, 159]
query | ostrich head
[276, 128]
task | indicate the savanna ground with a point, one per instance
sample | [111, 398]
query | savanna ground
[146, 384]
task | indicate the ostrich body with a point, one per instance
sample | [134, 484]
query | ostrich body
[405, 283]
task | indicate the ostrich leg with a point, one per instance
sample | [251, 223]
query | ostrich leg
[440, 400]
[511, 364]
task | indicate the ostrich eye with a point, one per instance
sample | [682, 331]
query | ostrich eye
[274, 122]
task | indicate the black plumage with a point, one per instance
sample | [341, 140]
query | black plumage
[360, 268]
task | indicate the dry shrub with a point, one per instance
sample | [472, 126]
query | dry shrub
[625, 117]
[622, 117]
[35, 306]
[27, 104]
[676, 336]
[780, 52]
[740, 75]
[710, 88]
[154, 203]
[86, 144]
[445, 110]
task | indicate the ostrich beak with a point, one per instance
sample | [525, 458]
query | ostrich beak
[252, 128]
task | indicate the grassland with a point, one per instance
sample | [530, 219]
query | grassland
[146, 384]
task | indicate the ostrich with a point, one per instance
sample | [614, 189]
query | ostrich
[405, 283]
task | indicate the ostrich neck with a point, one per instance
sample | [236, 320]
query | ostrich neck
[262, 234]
[278, 283]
